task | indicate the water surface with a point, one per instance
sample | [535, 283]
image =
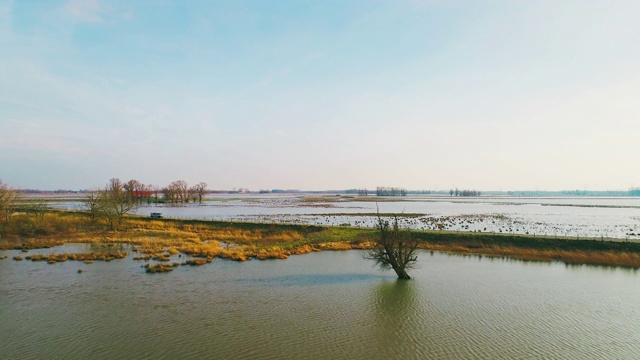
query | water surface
[319, 305]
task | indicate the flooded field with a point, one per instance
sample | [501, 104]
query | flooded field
[584, 217]
[320, 305]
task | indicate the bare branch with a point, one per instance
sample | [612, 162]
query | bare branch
[395, 249]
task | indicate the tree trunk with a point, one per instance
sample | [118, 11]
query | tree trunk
[402, 274]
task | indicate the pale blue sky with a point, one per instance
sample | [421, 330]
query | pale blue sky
[321, 94]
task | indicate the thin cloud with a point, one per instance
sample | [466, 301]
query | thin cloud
[86, 10]
[94, 11]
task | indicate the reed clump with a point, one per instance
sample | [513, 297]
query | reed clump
[161, 257]
[235, 254]
[85, 257]
[159, 268]
[604, 258]
[209, 249]
[304, 249]
[197, 262]
[275, 252]
[342, 246]
[243, 236]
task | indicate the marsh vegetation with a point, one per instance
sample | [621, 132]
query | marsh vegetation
[156, 240]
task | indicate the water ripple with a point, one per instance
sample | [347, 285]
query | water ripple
[321, 305]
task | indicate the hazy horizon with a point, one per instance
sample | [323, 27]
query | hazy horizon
[370, 191]
[420, 94]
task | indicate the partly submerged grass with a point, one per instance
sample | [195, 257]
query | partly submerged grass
[159, 239]
[86, 257]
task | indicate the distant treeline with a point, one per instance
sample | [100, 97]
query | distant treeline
[458, 192]
[634, 191]
[390, 191]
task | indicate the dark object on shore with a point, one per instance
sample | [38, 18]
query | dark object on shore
[155, 215]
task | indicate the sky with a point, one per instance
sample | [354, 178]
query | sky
[317, 95]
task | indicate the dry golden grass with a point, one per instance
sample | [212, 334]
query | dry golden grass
[252, 236]
[196, 262]
[605, 258]
[341, 246]
[159, 268]
[159, 240]
[206, 249]
[304, 249]
[236, 254]
[275, 252]
[335, 246]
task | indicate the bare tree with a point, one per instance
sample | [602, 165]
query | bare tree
[181, 190]
[37, 209]
[129, 187]
[390, 191]
[8, 201]
[116, 202]
[155, 189]
[200, 189]
[395, 248]
[169, 194]
[93, 204]
[145, 192]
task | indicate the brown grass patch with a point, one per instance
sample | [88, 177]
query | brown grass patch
[604, 258]
[197, 262]
[86, 257]
[161, 239]
[158, 268]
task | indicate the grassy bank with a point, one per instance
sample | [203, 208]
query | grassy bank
[157, 239]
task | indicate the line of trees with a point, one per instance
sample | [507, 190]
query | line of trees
[179, 192]
[458, 192]
[390, 191]
[118, 199]
[110, 204]
[113, 202]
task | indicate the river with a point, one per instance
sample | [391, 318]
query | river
[319, 305]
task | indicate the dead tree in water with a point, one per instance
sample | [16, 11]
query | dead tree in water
[395, 249]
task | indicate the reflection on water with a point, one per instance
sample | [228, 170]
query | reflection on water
[307, 280]
[319, 305]
[398, 318]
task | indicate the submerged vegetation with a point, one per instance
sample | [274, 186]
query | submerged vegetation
[156, 241]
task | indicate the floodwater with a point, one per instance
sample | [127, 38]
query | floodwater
[324, 305]
[616, 218]
[583, 217]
